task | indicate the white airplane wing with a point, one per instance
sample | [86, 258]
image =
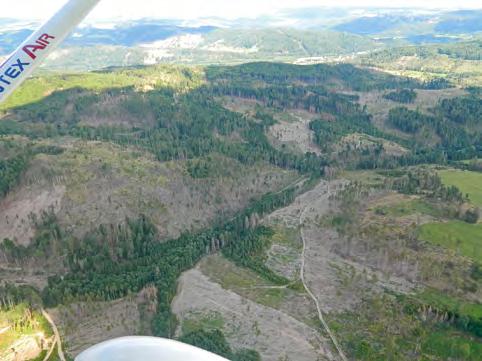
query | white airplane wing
[146, 349]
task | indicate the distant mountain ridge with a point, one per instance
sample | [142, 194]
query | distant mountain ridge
[401, 23]
[121, 34]
[288, 35]
[132, 34]
[461, 22]
[457, 22]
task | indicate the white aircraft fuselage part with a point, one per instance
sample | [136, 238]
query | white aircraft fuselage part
[40, 44]
[145, 349]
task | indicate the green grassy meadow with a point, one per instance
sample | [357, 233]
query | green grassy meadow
[468, 182]
[462, 237]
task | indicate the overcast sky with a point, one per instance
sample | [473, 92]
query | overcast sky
[190, 9]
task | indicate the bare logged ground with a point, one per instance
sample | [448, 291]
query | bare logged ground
[321, 278]
[23, 275]
[109, 112]
[426, 99]
[240, 105]
[86, 324]
[295, 135]
[292, 129]
[274, 334]
[316, 200]
[94, 183]
[337, 281]
[284, 260]
[340, 283]
[252, 286]
[361, 142]
[17, 210]
[83, 325]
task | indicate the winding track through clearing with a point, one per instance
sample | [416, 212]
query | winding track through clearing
[311, 294]
[3, 330]
[46, 358]
[57, 341]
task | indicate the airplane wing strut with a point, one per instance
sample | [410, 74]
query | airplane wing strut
[33, 51]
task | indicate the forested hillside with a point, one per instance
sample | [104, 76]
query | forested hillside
[457, 62]
[123, 192]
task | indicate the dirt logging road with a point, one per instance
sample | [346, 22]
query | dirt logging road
[310, 293]
[57, 341]
[332, 336]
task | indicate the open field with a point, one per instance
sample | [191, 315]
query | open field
[444, 301]
[462, 237]
[446, 342]
[468, 182]
[407, 207]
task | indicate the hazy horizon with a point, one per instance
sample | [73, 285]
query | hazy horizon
[190, 9]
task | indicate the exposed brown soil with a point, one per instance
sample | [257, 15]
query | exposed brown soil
[19, 208]
[82, 325]
[273, 333]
